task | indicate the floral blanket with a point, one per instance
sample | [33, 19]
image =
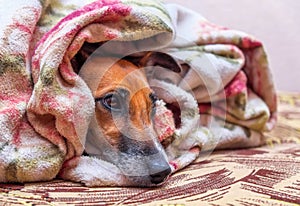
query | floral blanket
[46, 107]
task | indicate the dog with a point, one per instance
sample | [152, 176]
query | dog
[121, 131]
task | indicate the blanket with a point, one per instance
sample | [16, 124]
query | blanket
[224, 96]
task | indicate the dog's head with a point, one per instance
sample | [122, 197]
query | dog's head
[122, 130]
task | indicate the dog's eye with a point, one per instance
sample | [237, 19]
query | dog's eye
[112, 102]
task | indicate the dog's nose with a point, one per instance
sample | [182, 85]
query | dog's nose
[158, 173]
[159, 177]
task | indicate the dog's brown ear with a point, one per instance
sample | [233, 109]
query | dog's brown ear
[160, 59]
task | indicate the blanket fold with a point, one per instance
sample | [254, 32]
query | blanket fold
[224, 96]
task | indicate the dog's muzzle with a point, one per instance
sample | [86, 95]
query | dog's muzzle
[148, 156]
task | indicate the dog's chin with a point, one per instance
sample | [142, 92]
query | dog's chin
[143, 181]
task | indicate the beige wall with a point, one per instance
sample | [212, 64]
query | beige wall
[275, 22]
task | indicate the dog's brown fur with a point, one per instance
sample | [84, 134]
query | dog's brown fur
[140, 104]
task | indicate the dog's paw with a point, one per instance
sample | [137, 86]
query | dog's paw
[92, 172]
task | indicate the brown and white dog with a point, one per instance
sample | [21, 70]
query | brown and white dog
[122, 131]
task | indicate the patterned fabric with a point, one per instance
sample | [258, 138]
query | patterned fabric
[46, 108]
[268, 175]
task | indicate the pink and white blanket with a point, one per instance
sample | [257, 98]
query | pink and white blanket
[46, 108]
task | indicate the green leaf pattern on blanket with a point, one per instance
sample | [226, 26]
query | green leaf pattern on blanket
[47, 76]
[150, 5]
[53, 11]
[11, 64]
[24, 169]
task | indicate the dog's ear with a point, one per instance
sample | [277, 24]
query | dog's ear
[160, 59]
